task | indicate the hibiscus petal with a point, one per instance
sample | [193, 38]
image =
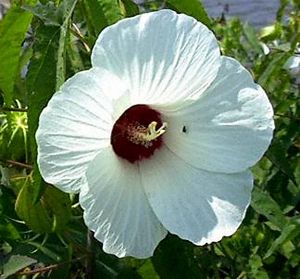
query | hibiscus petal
[228, 129]
[76, 124]
[163, 57]
[194, 204]
[116, 208]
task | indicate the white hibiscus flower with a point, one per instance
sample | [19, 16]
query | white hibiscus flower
[157, 136]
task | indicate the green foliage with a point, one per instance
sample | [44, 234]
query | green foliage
[128, 8]
[13, 30]
[49, 41]
[193, 8]
[51, 213]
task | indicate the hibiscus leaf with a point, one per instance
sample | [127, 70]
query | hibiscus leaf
[45, 12]
[174, 258]
[8, 231]
[50, 213]
[41, 76]
[277, 155]
[68, 7]
[128, 8]
[101, 13]
[13, 29]
[74, 57]
[289, 232]
[95, 17]
[39, 185]
[111, 10]
[34, 215]
[14, 264]
[46, 73]
[263, 204]
[276, 64]
[147, 271]
[59, 204]
[193, 8]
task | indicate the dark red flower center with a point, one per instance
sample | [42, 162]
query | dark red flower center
[137, 133]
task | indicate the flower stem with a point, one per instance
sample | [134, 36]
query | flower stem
[90, 260]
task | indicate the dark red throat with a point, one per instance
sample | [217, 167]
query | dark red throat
[123, 140]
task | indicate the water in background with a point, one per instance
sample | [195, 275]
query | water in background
[259, 13]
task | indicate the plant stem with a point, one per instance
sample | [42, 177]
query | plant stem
[90, 260]
[76, 32]
[6, 109]
[48, 268]
[18, 164]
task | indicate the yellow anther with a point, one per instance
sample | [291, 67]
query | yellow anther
[142, 135]
[152, 133]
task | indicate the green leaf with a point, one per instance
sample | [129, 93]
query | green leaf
[34, 215]
[14, 264]
[276, 64]
[95, 17]
[101, 13]
[193, 8]
[51, 213]
[68, 7]
[111, 10]
[288, 233]
[58, 205]
[270, 33]
[250, 34]
[128, 8]
[8, 231]
[45, 12]
[147, 271]
[277, 155]
[73, 52]
[39, 184]
[174, 259]
[41, 76]
[13, 29]
[263, 204]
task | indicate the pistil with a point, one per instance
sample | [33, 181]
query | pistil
[135, 135]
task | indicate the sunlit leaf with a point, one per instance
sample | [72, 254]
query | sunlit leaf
[193, 8]
[101, 13]
[275, 64]
[263, 204]
[271, 32]
[147, 271]
[128, 8]
[13, 30]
